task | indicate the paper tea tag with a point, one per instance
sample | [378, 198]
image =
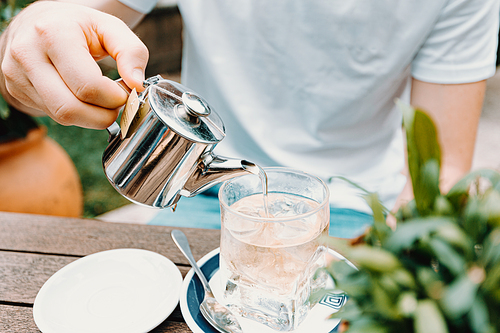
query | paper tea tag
[129, 112]
[139, 115]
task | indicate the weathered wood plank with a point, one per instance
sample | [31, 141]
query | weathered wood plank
[172, 327]
[23, 274]
[80, 237]
[33, 248]
[16, 319]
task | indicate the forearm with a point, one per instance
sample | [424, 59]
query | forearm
[455, 110]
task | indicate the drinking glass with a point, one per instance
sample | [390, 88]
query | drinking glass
[269, 260]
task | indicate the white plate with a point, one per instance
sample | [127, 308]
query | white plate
[192, 295]
[122, 290]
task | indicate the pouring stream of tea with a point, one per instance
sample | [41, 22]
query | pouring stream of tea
[257, 170]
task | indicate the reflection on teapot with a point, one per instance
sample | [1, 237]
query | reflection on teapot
[168, 152]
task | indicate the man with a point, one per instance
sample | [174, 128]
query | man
[309, 85]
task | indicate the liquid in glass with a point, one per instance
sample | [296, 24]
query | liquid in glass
[270, 255]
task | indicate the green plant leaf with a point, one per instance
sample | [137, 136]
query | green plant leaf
[349, 312]
[479, 317]
[447, 256]
[481, 211]
[387, 282]
[403, 277]
[367, 325]
[349, 280]
[340, 245]
[4, 108]
[384, 304]
[431, 281]
[426, 137]
[423, 147]
[407, 233]
[341, 270]
[492, 281]
[374, 259]
[442, 206]
[379, 210]
[459, 296]
[407, 212]
[429, 182]
[456, 237]
[413, 157]
[428, 318]
[489, 206]
[407, 303]
[491, 249]
[462, 186]
[460, 191]
[442, 264]
[380, 229]
[429, 159]
[474, 219]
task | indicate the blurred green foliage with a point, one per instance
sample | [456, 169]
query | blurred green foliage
[9, 9]
[13, 124]
[85, 147]
[439, 271]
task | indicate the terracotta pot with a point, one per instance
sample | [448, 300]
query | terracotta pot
[37, 176]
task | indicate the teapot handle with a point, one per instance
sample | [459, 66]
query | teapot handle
[123, 85]
[113, 130]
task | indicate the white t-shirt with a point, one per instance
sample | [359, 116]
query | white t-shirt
[311, 84]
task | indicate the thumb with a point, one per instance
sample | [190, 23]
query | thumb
[131, 69]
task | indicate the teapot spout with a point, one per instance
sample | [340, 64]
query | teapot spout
[215, 169]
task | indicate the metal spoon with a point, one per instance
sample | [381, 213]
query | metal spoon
[215, 313]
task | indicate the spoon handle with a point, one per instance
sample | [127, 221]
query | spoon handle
[182, 243]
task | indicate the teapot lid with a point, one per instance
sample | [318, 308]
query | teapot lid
[184, 111]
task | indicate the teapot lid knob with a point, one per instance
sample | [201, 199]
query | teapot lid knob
[184, 111]
[195, 105]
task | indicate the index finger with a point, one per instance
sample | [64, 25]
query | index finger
[127, 49]
[80, 72]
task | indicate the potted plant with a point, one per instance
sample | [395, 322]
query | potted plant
[36, 174]
[439, 271]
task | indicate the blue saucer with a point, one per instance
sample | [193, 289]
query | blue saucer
[192, 294]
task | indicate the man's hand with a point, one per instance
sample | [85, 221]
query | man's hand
[48, 63]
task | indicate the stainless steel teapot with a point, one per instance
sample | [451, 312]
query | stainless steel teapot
[169, 153]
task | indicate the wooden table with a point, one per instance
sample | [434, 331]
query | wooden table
[34, 247]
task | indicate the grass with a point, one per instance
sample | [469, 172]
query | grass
[85, 147]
